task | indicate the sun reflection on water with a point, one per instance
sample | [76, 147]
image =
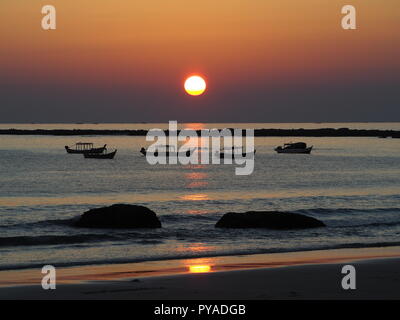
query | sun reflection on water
[196, 179]
[195, 197]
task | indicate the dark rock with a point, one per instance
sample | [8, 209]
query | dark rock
[268, 220]
[119, 216]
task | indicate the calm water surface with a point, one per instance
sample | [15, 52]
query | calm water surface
[352, 184]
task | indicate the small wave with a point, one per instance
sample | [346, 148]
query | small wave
[180, 217]
[42, 223]
[48, 240]
[371, 224]
[346, 210]
[366, 245]
[53, 240]
[149, 241]
[189, 217]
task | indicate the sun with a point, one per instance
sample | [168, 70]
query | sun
[195, 85]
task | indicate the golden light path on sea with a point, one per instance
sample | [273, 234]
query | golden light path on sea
[210, 195]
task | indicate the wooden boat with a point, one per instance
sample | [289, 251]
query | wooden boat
[297, 147]
[104, 155]
[85, 147]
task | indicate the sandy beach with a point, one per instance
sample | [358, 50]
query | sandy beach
[299, 275]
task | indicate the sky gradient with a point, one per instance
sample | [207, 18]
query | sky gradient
[264, 61]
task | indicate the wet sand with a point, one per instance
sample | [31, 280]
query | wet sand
[296, 275]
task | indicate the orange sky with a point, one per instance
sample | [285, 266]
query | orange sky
[125, 38]
[155, 43]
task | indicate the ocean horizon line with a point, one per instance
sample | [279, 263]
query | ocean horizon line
[189, 122]
[258, 132]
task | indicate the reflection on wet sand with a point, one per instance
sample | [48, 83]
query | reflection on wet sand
[199, 265]
[199, 268]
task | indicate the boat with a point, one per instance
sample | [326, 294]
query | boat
[231, 152]
[103, 155]
[297, 147]
[164, 150]
[85, 147]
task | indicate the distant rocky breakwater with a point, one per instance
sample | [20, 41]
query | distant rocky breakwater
[130, 216]
[324, 132]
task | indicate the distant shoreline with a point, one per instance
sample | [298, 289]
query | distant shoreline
[323, 132]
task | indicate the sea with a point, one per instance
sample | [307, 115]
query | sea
[352, 184]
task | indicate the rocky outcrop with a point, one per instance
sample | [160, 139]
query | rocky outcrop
[119, 216]
[269, 220]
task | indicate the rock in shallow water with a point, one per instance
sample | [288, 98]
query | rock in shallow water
[269, 220]
[119, 216]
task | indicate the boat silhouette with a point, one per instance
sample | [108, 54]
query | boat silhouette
[84, 147]
[297, 147]
[104, 155]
